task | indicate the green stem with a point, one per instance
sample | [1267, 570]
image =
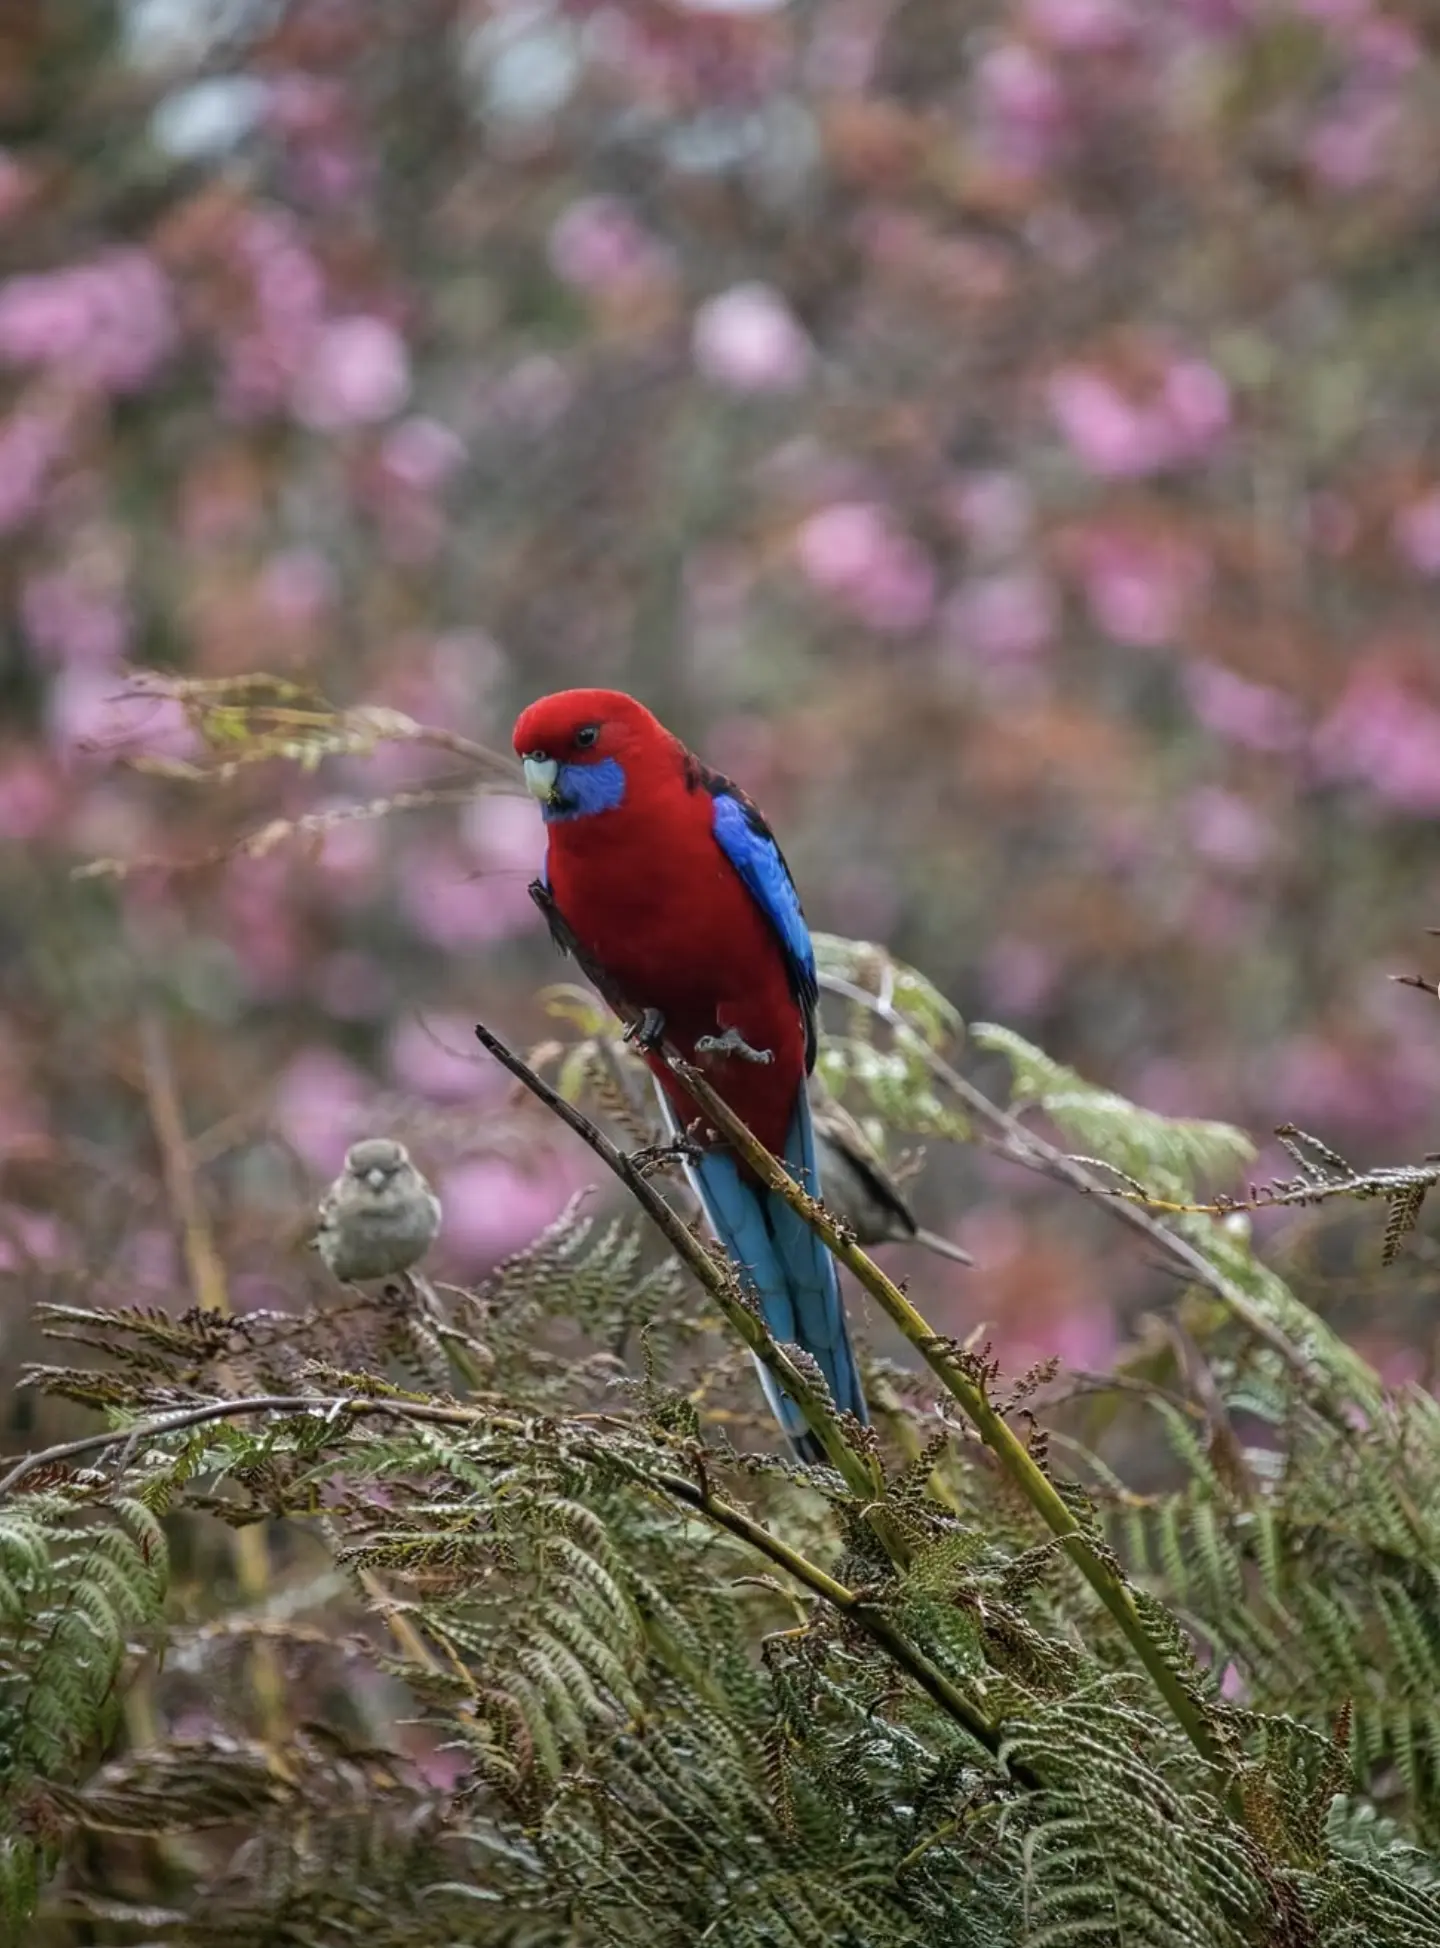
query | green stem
[1108, 1584]
[861, 1475]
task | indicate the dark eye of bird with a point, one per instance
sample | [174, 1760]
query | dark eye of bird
[586, 737]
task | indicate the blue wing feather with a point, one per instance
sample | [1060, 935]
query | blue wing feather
[749, 845]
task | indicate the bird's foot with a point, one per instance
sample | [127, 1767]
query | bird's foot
[648, 1032]
[732, 1042]
[655, 1156]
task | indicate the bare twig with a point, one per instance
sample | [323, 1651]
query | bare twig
[1023, 1146]
[698, 1496]
[860, 1475]
[960, 1381]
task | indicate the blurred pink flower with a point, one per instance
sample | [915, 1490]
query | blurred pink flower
[853, 553]
[1140, 587]
[30, 444]
[1349, 148]
[288, 298]
[1416, 533]
[505, 834]
[999, 616]
[994, 511]
[748, 340]
[30, 796]
[297, 586]
[1081, 26]
[30, 1238]
[357, 372]
[259, 922]
[491, 1208]
[422, 454]
[354, 986]
[451, 904]
[599, 246]
[1116, 438]
[86, 708]
[438, 1056]
[1385, 736]
[71, 623]
[1227, 830]
[1018, 976]
[1023, 117]
[107, 324]
[319, 1106]
[1249, 714]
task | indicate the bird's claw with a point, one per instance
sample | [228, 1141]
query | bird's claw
[648, 1032]
[732, 1042]
[655, 1156]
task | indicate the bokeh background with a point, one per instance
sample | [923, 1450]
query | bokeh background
[1003, 436]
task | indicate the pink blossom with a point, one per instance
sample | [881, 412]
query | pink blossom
[297, 586]
[1227, 830]
[71, 623]
[504, 833]
[1019, 975]
[353, 986]
[440, 1057]
[1111, 438]
[994, 511]
[1081, 26]
[748, 340]
[1023, 115]
[106, 324]
[319, 1107]
[351, 853]
[456, 907]
[1140, 588]
[259, 922]
[1249, 714]
[88, 709]
[598, 246]
[1000, 616]
[30, 797]
[1381, 734]
[1349, 147]
[29, 1238]
[853, 553]
[30, 444]
[357, 372]
[263, 362]
[1416, 533]
[491, 1208]
[1115, 438]
[422, 454]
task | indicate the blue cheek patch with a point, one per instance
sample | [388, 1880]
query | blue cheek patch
[582, 790]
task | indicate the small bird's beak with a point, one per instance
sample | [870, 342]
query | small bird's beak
[375, 1179]
[540, 776]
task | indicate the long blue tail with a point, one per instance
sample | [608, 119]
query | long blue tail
[789, 1270]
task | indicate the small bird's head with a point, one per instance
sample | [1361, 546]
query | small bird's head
[574, 746]
[376, 1160]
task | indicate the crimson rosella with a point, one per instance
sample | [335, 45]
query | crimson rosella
[665, 883]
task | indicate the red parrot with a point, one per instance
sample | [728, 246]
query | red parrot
[665, 883]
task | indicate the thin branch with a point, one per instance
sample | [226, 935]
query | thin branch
[858, 1472]
[277, 1403]
[958, 1380]
[1021, 1145]
[697, 1496]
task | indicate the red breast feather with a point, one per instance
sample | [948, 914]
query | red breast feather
[652, 898]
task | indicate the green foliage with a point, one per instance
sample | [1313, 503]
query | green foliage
[687, 1692]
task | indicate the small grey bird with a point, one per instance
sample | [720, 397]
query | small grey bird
[858, 1188]
[379, 1216]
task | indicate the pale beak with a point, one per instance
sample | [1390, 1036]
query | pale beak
[540, 776]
